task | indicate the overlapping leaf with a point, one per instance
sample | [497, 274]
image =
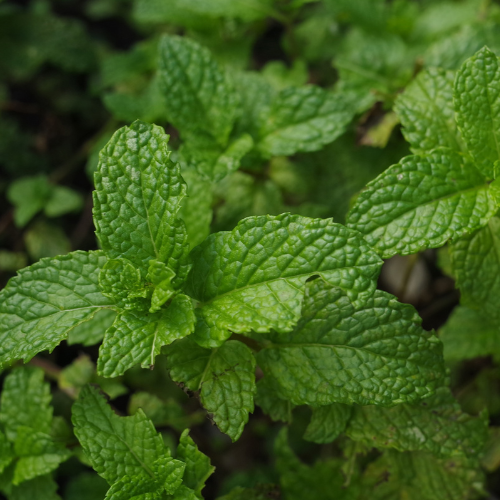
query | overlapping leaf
[327, 422]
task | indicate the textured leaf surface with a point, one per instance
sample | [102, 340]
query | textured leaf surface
[477, 104]
[435, 424]
[303, 119]
[372, 351]
[271, 404]
[327, 422]
[224, 376]
[116, 446]
[426, 112]
[198, 467]
[475, 262]
[468, 334]
[92, 332]
[252, 278]
[137, 338]
[40, 306]
[137, 197]
[198, 94]
[25, 401]
[422, 202]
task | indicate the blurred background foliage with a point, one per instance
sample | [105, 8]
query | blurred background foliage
[72, 72]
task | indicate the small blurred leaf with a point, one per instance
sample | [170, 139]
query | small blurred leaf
[46, 240]
[62, 201]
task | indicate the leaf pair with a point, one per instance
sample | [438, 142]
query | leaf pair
[444, 191]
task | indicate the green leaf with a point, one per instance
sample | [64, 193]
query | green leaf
[6, 453]
[199, 96]
[427, 114]
[476, 267]
[327, 422]
[303, 119]
[92, 332]
[477, 104]
[369, 351]
[38, 454]
[39, 488]
[469, 334]
[198, 466]
[40, 306]
[43, 239]
[436, 424]
[116, 446]
[29, 195]
[271, 404]
[137, 197]
[422, 202]
[137, 338]
[253, 277]
[224, 376]
[63, 200]
[25, 402]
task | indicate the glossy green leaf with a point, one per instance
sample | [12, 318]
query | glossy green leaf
[436, 424]
[253, 277]
[40, 306]
[327, 423]
[477, 104]
[224, 377]
[137, 198]
[303, 119]
[136, 337]
[370, 351]
[199, 96]
[426, 112]
[422, 202]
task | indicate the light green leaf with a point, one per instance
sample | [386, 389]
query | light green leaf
[422, 202]
[74, 376]
[253, 277]
[468, 334]
[137, 338]
[477, 104]
[369, 351]
[167, 478]
[63, 200]
[327, 422]
[427, 114]
[304, 119]
[199, 96]
[198, 466]
[38, 454]
[116, 446]
[39, 488]
[25, 402]
[137, 197]
[224, 376]
[40, 306]
[436, 424]
[29, 195]
[44, 239]
[271, 404]
[92, 332]
[475, 262]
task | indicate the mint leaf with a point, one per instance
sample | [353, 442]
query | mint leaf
[92, 332]
[39, 488]
[6, 452]
[327, 422]
[477, 104]
[199, 97]
[457, 340]
[476, 267]
[38, 454]
[253, 277]
[135, 337]
[427, 114]
[25, 402]
[345, 351]
[198, 467]
[224, 376]
[422, 202]
[271, 404]
[62, 201]
[303, 119]
[137, 197]
[116, 446]
[40, 306]
[436, 424]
